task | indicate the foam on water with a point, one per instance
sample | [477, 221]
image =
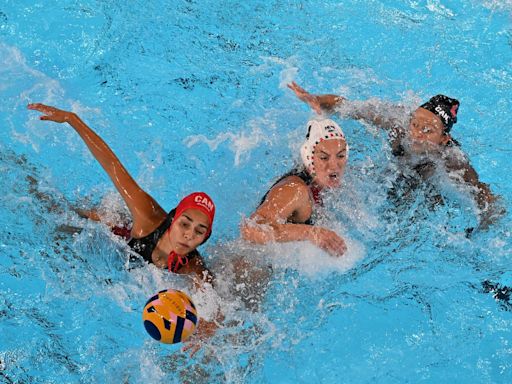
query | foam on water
[312, 262]
[240, 143]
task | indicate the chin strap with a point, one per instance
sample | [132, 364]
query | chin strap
[175, 261]
[315, 191]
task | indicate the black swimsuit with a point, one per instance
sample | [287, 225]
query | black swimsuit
[304, 176]
[144, 246]
[406, 181]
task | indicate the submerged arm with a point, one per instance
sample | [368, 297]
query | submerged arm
[197, 268]
[146, 212]
[462, 171]
[203, 281]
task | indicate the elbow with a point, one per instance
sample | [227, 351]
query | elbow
[253, 233]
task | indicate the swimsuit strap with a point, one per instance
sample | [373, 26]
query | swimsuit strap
[315, 191]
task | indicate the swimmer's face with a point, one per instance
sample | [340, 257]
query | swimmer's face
[426, 130]
[330, 158]
[188, 231]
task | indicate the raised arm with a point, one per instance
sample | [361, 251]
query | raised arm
[146, 212]
[284, 201]
[319, 103]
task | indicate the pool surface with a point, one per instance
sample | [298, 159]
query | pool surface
[191, 95]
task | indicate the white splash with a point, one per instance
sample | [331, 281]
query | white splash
[240, 143]
[435, 6]
[207, 301]
[14, 68]
[311, 261]
[23, 85]
[502, 5]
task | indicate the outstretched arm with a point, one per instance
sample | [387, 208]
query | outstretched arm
[370, 111]
[319, 103]
[146, 212]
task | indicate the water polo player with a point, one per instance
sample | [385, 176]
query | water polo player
[168, 240]
[285, 212]
[425, 131]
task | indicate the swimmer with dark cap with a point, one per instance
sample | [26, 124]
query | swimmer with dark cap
[425, 131]
[286, 211]
[167, 240]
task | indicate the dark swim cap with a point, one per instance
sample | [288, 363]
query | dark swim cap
[445, 107]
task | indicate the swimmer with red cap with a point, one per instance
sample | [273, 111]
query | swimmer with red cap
[167, 240]
[425, 131]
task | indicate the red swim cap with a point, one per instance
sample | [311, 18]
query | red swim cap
[200, 201]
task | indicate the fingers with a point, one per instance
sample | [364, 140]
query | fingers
[299, 91]
[50, 113]
[306, 97]
[341, 247]
[40, 107]
[36, 106]
[330, 242]
[337, 247]
[293, 86]
[47, 110]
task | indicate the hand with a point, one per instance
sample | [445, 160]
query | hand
[328, 240]
[51, 113]
[305, 96]
[205, 331]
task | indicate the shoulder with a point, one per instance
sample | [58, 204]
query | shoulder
[289, 185]
[288, 195]
[144, 227]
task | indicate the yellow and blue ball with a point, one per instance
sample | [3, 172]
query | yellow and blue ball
[170, 316]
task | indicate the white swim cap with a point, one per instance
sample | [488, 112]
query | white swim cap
[318, 131]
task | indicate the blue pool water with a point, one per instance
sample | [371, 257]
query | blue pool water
[192, 95]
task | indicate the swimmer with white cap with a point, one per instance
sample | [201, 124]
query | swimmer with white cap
[285, 212]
